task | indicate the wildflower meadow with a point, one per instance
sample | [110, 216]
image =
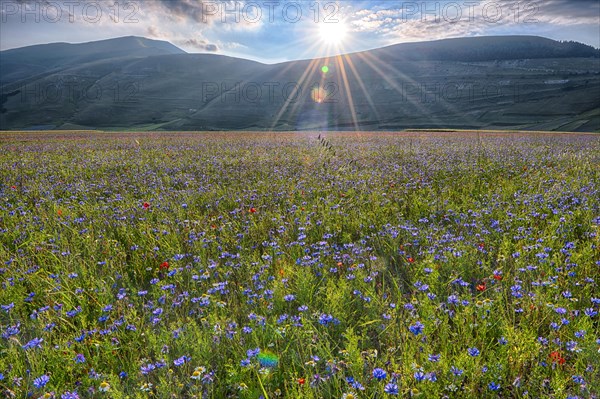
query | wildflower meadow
[299, 265]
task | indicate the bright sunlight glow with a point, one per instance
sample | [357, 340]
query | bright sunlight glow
[332, 33]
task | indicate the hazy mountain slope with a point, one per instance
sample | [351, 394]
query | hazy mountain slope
[29, 61]
[457, 83]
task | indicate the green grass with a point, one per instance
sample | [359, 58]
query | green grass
[323, 254]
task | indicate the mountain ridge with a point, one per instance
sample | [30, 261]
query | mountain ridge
[159, 86]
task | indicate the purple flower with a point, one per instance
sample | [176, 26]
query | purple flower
[79, 358]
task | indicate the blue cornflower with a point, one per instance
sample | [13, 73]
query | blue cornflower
[416, 328]
[326, 319]
[456, 371]
[434, 358]
[69, 395]
[41, 381]
[577, 379]
[252, 352]
[590, 312]
[473, 352]
[493, 386]
[8, 307]
[34, 343]
[391, 389]
[145, 369]
[419, 376]
[379, 373]
[79, 358]
[502, 341]
[181, 361]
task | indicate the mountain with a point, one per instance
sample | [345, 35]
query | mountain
[487, 48]
[502, 82]
[25, 62]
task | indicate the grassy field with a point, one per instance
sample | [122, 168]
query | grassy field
[371, 265]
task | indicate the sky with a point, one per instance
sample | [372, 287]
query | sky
[273, 31]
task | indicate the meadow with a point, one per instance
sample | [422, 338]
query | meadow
[299, 265]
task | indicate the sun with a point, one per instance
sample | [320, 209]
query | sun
[333, 33]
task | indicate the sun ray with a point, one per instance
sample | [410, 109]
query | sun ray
[340, 64]
[361, 84]
[371, 60]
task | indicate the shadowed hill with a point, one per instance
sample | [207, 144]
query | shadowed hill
[24, 62]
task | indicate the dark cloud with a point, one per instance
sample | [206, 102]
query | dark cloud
[201, 11]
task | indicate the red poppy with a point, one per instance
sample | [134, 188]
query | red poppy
[252, 210]
[164, 265]
[481, 287]
[556, 357]
[497, 277]
[481, 245]
[13, 187]
[301, 381]
[146, 205]
[410, 259]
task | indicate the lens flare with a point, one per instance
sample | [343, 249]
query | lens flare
[267, 359]
[318, 95]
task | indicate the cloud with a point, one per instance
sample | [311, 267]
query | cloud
[419, 20]
[197, 10]
[230, 14]
[569, 12]
[201, 45]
